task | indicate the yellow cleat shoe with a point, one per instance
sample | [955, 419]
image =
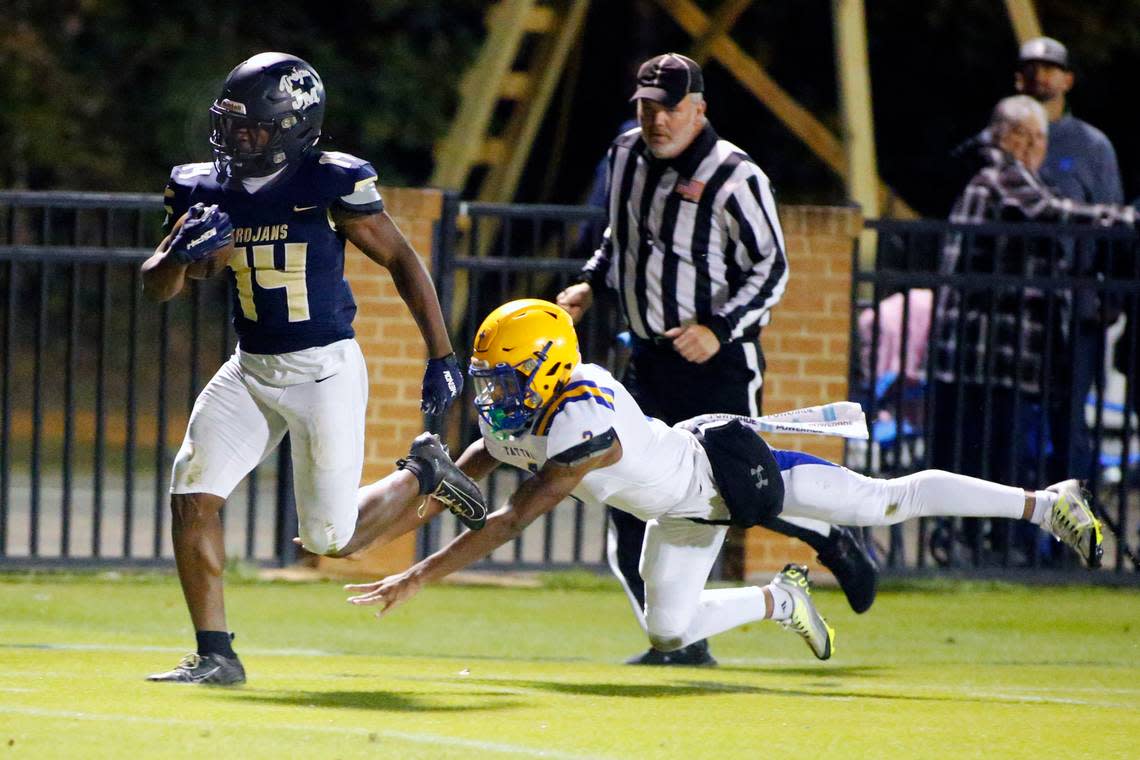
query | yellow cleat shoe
[1071, 520]
[805, 620]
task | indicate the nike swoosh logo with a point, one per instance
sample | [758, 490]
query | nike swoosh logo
[321, 380]
[299, 209]
[458, 502]
[204, 676]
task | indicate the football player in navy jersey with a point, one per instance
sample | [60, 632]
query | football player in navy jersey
[277, 211]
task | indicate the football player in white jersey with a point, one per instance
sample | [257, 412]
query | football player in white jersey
[582, 434]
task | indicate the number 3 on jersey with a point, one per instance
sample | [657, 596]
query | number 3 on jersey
[267, 277]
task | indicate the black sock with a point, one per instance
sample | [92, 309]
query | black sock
[809, 537]
[417, 469]
[215, 642]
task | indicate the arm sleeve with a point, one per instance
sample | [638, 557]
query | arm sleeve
[587, 449]
[597, 268]
[1108, 172]
[1022, 191]
[754, 233]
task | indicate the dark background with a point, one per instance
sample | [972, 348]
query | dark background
[107, 94]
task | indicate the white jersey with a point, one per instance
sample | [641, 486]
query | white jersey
[663, 470]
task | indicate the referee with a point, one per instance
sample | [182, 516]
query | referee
[695, 252]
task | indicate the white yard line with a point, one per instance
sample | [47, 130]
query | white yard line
[408, 736]
[881, 689]
[81, 647]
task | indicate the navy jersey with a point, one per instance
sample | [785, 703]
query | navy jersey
[287, 277]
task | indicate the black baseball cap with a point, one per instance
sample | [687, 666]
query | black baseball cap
[668, 78]
[1045, 49]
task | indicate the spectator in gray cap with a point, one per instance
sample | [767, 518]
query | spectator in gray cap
[1081, 163]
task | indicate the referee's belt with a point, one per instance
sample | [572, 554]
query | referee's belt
[660, 341]
[654, 340]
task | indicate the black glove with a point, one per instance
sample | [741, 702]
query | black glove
[443, 382]
[205, 230]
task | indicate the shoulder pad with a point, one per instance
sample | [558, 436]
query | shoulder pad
[349, 179]
[344, 169]
[583, 411]
[189, 175]
[342, 160]
[176, 197]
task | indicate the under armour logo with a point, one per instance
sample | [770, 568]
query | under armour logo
[758, 473]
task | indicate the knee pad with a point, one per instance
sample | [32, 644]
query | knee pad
[322, 537]
[185, 473]
[665, 629]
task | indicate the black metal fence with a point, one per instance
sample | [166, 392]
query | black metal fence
[487, 254]
[1031, 381]
[96, 386]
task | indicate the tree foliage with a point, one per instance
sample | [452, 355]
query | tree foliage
[107, 94]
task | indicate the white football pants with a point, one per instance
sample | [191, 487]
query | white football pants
[238, 420]
[678, 554]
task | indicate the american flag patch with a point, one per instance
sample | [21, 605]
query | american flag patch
[689, 189]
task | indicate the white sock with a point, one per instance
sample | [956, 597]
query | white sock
[782, 602]
[1044, 502]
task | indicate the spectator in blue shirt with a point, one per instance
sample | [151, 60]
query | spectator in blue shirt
[1081, 163]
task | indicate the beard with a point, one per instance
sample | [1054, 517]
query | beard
[675, 145]
[1040, 91]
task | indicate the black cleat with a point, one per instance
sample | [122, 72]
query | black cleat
[212, 669]
[429, 461]
[694, 655]
[852, 567]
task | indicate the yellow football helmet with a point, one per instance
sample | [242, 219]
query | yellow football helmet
[523, 355]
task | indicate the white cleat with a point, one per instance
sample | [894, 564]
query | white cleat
[1071, 520]
[805, 619]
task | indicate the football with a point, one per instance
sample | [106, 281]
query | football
[210, 265]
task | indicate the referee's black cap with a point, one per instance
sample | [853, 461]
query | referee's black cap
[668, 78]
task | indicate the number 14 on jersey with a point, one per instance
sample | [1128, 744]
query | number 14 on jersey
[253, 266]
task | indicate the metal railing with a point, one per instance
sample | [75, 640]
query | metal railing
[946, 403]
[96, 387]
[485, 255]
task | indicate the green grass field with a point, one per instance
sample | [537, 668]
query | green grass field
[938, 670]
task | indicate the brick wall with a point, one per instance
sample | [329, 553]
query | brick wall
[806, 346]
[395, 353]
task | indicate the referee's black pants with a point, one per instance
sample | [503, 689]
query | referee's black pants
[672, 389]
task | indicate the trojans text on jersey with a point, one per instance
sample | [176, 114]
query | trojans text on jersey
[269, 233]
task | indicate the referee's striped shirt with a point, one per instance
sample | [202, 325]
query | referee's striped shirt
[690, 239]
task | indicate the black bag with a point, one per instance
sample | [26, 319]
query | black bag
[745, 471]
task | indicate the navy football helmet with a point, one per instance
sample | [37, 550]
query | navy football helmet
[268, 116]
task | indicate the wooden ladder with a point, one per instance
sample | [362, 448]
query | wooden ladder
[505, 94]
